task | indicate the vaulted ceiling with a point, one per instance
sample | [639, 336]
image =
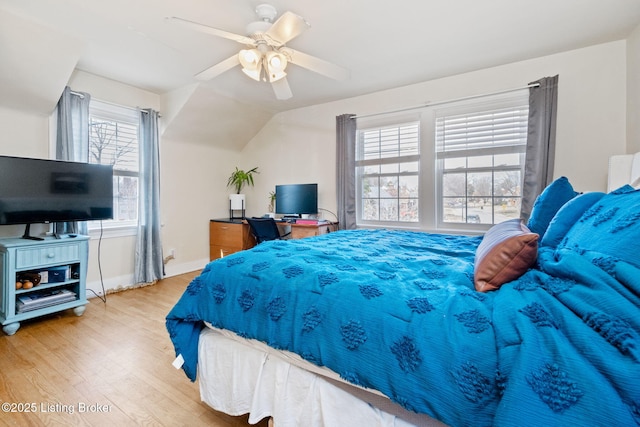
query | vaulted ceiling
[382, 44]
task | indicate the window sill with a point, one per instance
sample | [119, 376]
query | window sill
[444, 230]
[113, 232]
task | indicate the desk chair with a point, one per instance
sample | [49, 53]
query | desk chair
[264, 229]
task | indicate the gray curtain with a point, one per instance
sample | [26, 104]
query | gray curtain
[345, 170]
[149, 265]
[72, 141]
[541, 141]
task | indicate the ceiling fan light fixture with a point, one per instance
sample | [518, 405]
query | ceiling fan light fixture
[275, 76]
[276, 61]
[275, 64]
[250, 59]
[265, 56]
[254, 74]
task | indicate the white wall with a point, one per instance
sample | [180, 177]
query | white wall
[193, 191]
[299, 145]
[633, 91]
[25, 135]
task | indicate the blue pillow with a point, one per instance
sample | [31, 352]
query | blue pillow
[548, 203]
[610, 229]
[568, 215]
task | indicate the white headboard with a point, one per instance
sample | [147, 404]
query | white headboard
[624, 169]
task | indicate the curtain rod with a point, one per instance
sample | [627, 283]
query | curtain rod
[431, 104]
[79, 94]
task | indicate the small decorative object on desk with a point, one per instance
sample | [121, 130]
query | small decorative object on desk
[238, 179]
[272, 204]
[27, 280]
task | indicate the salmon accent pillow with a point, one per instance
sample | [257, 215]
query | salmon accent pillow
[506, 252]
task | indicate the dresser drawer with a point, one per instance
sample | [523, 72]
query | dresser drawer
[216, 251]
[228, 237]
[226, 234]
[50, 254]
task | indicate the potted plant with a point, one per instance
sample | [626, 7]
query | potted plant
[238, 179]
[272, 203]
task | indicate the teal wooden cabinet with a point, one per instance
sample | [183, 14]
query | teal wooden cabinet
[58, 265]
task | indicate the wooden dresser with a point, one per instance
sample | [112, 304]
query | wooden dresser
[227, 236]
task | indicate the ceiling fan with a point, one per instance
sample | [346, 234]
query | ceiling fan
[266, 56]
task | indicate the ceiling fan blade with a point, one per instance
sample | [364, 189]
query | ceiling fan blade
[287, 27]
[282, 89]
[219, 68]
[317, 65]
[213, 31]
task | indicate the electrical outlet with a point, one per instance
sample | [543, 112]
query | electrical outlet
[170, 256]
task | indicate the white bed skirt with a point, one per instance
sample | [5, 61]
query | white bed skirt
[238, 376]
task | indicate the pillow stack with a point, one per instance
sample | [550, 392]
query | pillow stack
[601, 226]
[510, 248]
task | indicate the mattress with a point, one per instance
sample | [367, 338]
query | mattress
[239, 376]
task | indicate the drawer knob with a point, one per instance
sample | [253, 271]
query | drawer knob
[51, 255]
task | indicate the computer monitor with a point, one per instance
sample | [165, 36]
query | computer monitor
[297, 199]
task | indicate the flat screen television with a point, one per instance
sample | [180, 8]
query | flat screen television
[41, 191]
[297, 199]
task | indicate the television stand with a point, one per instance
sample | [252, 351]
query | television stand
[62, 266]
[27, 234]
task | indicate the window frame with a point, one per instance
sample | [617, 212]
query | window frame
[517, 100]
[128, 116]
[360, 165]
[430, 170]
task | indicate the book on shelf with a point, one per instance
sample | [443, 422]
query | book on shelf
[311, 221]
[38, 300]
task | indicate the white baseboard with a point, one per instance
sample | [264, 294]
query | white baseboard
[111, 284]
[171, 269]
[121, 283]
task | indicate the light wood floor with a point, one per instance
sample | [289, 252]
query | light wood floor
[117, 355]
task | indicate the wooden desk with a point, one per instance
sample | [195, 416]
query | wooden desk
[227, 236]
[300, 231]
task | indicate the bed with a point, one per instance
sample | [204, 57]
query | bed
[530, 324]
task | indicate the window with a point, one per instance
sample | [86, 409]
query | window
[113, 140]
[455, 166]
[480, 164]
[387, 171]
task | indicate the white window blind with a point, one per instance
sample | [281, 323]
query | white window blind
[480, 157]
[500, 130]
[387, 167]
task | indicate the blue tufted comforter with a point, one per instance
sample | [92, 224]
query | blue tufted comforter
[397, 312]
